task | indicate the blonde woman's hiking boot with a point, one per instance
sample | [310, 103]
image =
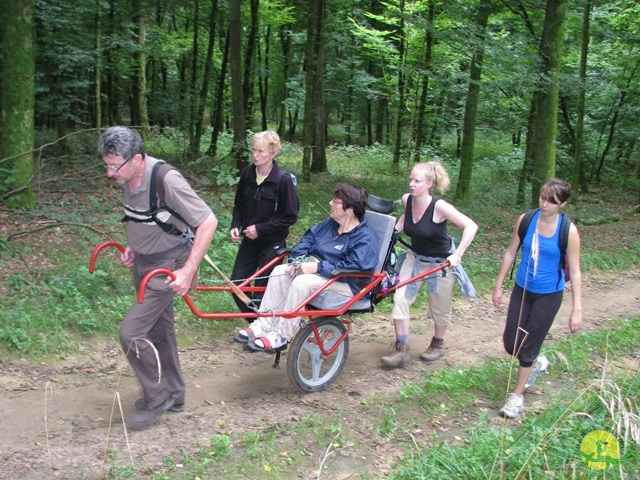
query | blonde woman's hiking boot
[434, 351]
[398, 357]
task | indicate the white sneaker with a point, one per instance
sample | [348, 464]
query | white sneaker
[513, 407]
[542, 365]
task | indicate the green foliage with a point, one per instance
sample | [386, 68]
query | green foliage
[44, 315]
[549, 439]
[225, 175]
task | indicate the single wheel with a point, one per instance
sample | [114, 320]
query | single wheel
[308, 369]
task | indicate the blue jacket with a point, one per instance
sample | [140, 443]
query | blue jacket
[354, 250]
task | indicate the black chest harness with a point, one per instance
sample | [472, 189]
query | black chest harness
[159, 212]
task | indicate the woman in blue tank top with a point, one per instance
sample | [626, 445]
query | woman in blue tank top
[538, 290]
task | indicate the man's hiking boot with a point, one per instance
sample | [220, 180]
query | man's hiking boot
[398, 357]
[542, 365]
[148, 416]
[434, 351]
[513, 407]
[177, 407]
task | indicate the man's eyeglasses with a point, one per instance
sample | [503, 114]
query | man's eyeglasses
[336, 201]
[115, 168]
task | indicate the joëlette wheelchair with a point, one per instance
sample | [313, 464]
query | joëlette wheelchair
[318, 352]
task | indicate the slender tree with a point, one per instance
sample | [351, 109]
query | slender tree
[546, 122]
[18, 102]
[218, 103]
[139, 112]
[313, 155]
[399, 120]
[239, 148]
[206, 80]
[463, 189]
[192, 97]
[578, 180]
[97, 74]
[319, 156]
[422, 105]
[249, 62]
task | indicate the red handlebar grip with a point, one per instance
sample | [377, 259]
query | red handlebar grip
[147, 277]
[98, 249]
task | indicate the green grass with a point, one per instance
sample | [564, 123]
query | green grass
[593, 398]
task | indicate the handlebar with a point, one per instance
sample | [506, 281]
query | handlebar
[169, 273]
[98, 249]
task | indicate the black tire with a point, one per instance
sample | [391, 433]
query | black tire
[306, 367]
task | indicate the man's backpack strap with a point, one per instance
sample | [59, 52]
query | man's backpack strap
[156, 187]
[156, 200]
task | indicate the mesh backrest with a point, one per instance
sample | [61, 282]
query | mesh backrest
[384, 226]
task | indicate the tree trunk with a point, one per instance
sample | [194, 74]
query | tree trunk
[218, 102]
[285, 43]
[313, 157]
[400, 110]
[463, 189]
[525, 173]
[97, 72]
[578, 179]
[192, 98]
[139, 113]
[422, 106]
[239, 148]
[319, 157]
[622, 100]
[18, 102]
[247, 82]
[113, 117]
[638, 178]
[263, 78]
[546, 128]
[206, 80]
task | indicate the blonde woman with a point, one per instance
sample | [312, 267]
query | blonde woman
[425, 221]
[265, 207]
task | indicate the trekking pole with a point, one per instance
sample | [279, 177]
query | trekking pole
[234, 288]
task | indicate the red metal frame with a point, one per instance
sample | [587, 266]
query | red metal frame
[298, 311]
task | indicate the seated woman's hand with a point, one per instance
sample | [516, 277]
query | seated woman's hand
[301, 268]
[307, 267]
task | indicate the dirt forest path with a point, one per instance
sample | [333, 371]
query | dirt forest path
[57, 416]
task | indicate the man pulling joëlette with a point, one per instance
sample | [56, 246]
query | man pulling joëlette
[149, 327]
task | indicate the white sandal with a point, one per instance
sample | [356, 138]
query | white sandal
[270, 341]
[252, 331]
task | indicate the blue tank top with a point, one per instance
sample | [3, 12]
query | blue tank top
[538, 269]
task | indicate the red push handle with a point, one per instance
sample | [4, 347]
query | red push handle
[98, 249]
[147, 277]
[169, 273]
